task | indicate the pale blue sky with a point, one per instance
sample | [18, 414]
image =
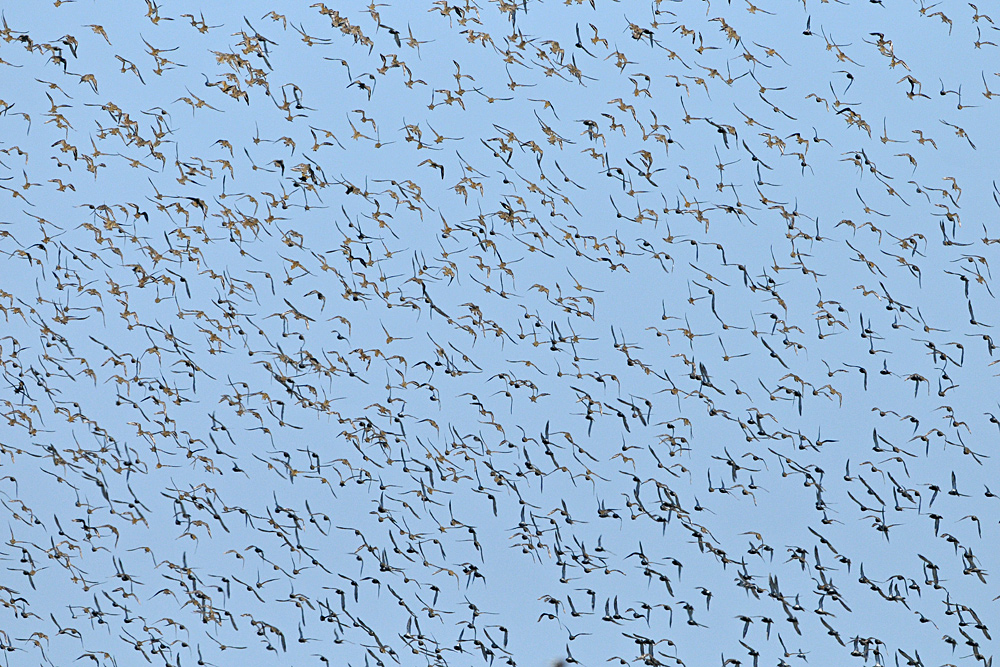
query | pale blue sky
[270, 212]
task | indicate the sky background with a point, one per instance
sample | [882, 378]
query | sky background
[422, 333]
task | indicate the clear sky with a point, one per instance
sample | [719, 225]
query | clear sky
[430, 333]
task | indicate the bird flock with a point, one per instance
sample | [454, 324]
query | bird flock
[509, 332]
